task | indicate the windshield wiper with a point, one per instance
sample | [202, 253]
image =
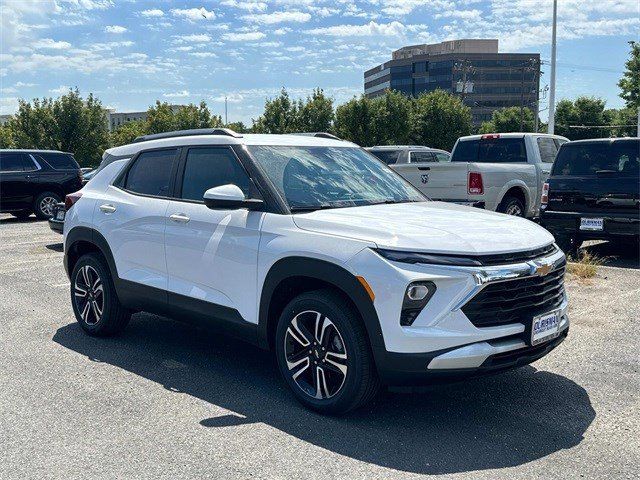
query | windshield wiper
[310, 208]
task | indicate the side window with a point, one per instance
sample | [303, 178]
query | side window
[60, 161]
[151, 174]
[15, 162]
[206, 168]
[390, 157]
[421, 157]
[548, 149]
[442, 157]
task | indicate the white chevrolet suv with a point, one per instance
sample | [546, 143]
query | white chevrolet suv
[312, 247]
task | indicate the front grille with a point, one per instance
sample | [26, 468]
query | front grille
[516, 301]
[516, 257]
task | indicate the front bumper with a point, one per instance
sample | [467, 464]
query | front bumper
[443, 342]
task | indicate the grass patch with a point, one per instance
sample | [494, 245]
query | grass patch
[585, 266]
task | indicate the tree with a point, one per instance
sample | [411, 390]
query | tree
[160, 118]
[582, 118]
[392, 118]
[623, 121]
[127, 132]
[354, 121]
[316, 114]
[281, 115]
[192, 116]
[6, 136]
[630, 82]
[439, 119]
[507, 119]
[69, 123]
[237, 127]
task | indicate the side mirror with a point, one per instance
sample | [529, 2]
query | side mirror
[229, 197]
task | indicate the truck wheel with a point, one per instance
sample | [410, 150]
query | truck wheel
[44, 203]
[324, 354]
[93, 298]
[512, 206]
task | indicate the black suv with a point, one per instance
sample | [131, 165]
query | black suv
[593, 192]
[33, 181]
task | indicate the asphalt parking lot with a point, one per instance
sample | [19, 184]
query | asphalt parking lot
[167, 401]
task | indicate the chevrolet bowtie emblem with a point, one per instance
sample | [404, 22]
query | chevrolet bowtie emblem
[542, 270]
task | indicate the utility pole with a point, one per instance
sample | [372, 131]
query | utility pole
[552, 91]
[226, 120]
[466, 68]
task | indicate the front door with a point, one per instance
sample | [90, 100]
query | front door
[212, 254]
[18, 180]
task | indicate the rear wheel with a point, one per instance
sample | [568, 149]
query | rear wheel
[512, 206]
[93, 296]
[44, 203]
[22, 215]
[323, 353]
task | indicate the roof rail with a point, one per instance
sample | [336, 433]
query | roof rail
[187, 133]
[318, 135]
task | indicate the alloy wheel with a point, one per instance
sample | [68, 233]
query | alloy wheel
[514, 209]
[47, 204]
[89, 295]
[316, 355]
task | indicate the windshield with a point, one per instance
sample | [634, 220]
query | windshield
[310, 178]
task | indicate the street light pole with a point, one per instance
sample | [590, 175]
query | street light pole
[552, 91]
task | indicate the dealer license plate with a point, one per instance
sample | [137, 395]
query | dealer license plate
[545, 327]
[60, 215]
[596, 224]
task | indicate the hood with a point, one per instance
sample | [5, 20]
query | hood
[436, 227]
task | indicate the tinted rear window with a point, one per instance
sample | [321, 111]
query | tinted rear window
[387, 156]
[494, 150]
[60, 161]
[151, 174]
[587, 159]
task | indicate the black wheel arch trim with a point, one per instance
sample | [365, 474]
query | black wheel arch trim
[326, 272]
[86, 234]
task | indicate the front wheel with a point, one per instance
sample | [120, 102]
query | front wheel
[324, 354]
[512, 206]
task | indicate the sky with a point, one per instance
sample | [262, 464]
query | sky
[132, 53]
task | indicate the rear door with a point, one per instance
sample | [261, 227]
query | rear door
[596, 177]
[438, 180]
[18, 180]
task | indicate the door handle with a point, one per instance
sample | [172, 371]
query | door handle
[424, 168]
[179, 218]
[107, 208]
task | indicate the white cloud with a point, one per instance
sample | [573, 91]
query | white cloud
[114, 29]
[278, 17]
[110, 45]
[24, 84]
[180, 94]
[250, 6]
[153, 12]
[395, 29]
[50, 44]
[474, 14]
[203, 54]
[243, 37]
[281, 31]
[194, 14]
[61, 90]
[194, 38]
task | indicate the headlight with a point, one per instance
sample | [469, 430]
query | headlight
[428, 258]
[416, 298]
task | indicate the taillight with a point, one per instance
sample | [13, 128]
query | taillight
[475, 185]
[71, 199]
[490, 136]
[545, 194]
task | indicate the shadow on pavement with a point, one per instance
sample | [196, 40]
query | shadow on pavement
[493, 422]
[56, 247]
[615, 254]
[11, 219]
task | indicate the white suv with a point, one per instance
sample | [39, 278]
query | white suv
[311, 247]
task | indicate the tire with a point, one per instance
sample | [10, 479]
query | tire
[22, 215]
[43, 204]
[112, 317]
[512, 206]
[349, 381]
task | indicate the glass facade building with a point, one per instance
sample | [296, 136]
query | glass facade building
[472, 69]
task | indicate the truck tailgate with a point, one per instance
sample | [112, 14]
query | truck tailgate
[439, 181]
[499, 177]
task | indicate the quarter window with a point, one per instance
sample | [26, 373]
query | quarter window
[60, 161]
[151, 174]
[548, 149]
[206, 168]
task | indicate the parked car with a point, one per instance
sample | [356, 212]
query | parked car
[33, 181]
[403, 154]
[56, 221]
[500, 172]
[311, 247]
[594, 192]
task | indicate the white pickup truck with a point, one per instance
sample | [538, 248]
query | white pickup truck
[500, 172]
